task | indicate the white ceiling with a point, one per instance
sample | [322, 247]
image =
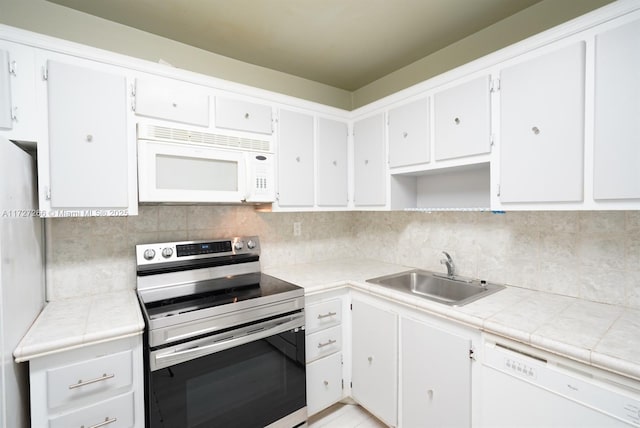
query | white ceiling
[343, 43]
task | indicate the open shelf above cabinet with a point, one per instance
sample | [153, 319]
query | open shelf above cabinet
[450, 189]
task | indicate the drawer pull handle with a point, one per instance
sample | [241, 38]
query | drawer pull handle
[328, 314]
[89, 382]
[327, 343]
[106, 422]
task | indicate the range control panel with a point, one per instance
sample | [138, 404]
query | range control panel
[166, 252]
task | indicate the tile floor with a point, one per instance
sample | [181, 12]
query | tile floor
[344, 416]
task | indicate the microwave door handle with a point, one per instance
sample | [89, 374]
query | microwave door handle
[245, 178]
[168, 358]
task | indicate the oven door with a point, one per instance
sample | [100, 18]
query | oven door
[249, 377]
[174, 172]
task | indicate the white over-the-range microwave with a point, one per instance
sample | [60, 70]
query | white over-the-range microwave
[183, 166]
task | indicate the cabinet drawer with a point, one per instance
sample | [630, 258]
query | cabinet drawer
[88, 378]
[324, 383]
[323, 315]
[115, 412]
[324, 342]
[171, 100]
[243, 116]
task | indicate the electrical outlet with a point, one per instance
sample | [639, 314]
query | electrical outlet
[297, 228]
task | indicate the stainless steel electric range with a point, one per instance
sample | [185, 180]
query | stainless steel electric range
[224, 342]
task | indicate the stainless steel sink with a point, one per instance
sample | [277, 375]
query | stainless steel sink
[453, 291]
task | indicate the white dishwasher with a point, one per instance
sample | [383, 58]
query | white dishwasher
[523, 387]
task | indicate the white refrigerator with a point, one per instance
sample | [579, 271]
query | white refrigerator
[21, 276]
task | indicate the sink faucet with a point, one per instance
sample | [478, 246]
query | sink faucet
[451, 268]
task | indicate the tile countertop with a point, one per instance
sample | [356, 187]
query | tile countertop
[73, 323]
[601, 335]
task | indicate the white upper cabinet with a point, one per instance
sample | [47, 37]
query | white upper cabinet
[409, 134]
[542, 127]
[6, 106]
[18, 111]
[332, 181]
[617, 113]
[295, 159]
[88, 159]
[462, 120]
[369, 169]
[172, 99]
[241, 115]
[375, 359]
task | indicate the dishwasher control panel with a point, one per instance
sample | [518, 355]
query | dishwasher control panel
[520, 368]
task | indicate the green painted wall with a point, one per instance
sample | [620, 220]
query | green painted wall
[51, 19]
[533, 20]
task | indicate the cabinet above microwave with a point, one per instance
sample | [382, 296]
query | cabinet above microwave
[182, 166]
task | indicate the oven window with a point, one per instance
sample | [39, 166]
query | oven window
[190, 173]
[251, 385]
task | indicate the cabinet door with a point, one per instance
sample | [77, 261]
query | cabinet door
[409, 134]
[375, 360]
[462, 122]
[368, 164]
[173, 100]
[617, 110]
[243, 116]
[88, 139]
[324, 383]
[332, 163]
[295, 160]
[436, 377]
[18, 109]
[542, 128]
[6, 107]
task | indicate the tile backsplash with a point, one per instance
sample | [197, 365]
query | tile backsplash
[593, 255]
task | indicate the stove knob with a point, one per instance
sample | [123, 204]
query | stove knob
[167, 252]
[251, 245]
[238, 245]
[149, 254]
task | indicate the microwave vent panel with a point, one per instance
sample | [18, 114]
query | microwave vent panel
[174, 135]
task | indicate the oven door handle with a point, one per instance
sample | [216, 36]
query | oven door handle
[185, 352]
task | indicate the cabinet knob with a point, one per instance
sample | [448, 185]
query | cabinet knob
[174, 104]
[366, 161]
[430, 394]
[457, 120]
[370, 359]
[405, 134]
[297, 158]
[326, 383]
[335, 163]
[89, 138]
[246, 115]
[535, 130]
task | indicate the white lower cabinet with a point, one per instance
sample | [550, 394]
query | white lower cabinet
[408, 368]
[324, 350]
[435, 376]
[324, 383]
[98, 385]
[374, 359]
